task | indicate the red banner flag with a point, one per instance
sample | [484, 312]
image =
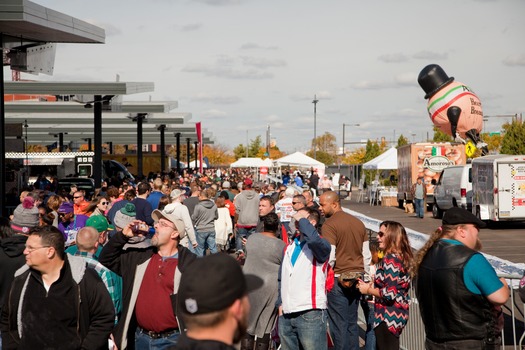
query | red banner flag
[198, 129]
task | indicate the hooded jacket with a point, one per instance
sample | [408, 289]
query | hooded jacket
[247, 208]
[11, 259]
[204, 216]
[94, 317]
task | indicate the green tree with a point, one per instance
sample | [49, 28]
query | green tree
[239, 151]
[401, 141]
[325, 143]
[372, 150]
[440, 136]
[493, 143]
[513, 141]
[255, 145]
[322, 156]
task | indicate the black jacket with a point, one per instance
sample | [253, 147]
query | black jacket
[125, 263]
[11, 259]
[448, 309]
[95, 315]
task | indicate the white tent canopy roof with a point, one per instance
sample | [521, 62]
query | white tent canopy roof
[251, 163]
[386, 160]
[300, 160]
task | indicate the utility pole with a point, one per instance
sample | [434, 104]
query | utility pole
[315, 125]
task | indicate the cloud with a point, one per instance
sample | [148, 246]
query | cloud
[490, 96]
[215, 99]
[400, 80]
[515, 60]
[220, 2]
[214, 113]
[254, 46]
[227, 72]
[393, 58]
[191, 27]
[372, 85]
[271, 118]
[232, 68]
[262, 63]
[430, 55]
[406, 79]
[320, 95]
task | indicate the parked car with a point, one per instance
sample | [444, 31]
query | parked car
[453, 189]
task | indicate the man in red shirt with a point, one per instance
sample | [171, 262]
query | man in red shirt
[150, 282]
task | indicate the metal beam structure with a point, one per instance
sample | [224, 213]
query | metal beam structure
[24, 23]
[80, 108]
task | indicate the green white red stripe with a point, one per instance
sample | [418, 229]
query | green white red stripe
[448, 99]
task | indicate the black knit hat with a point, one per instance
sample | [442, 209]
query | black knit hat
[213, 283]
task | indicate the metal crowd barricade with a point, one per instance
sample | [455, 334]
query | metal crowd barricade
[512, 335]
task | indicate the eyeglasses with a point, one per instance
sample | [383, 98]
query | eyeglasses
[380, 234]
[164, 224]
[104, 203]
[31, 249]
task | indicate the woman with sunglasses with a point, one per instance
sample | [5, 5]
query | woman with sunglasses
[98, 206]
[391, 285]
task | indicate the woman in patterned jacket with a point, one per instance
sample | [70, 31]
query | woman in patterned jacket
[391, 285]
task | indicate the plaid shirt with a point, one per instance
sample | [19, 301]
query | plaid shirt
[112, 281]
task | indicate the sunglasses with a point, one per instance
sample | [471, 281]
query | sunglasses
[104, 203]
[380, 234]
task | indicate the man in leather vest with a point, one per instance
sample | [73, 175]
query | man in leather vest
[459, 293]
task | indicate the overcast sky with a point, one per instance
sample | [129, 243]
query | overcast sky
[239, 65]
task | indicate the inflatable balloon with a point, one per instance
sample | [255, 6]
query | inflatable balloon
[452, 106]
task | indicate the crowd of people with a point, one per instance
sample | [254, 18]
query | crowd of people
[205, 261]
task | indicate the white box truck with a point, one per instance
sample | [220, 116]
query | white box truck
[498, 187]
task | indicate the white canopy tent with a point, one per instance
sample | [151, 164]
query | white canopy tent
[385, 161]
[197, 164]
[299, 159]
[251, 163]
[256, 164]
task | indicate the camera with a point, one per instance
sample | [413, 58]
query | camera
[140, 228]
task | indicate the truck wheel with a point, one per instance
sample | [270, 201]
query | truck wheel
[436, 212]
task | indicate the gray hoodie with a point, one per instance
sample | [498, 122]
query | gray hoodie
[247, 208]
[204, 216]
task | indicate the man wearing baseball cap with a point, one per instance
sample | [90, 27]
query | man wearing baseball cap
[213, 302]
[458, 291]
[150, 278]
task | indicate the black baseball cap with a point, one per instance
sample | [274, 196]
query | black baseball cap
[458, 216]
[213, 283]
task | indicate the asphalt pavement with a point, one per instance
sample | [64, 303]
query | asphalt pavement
[503, 240]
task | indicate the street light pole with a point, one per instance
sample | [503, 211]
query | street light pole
[315, 125]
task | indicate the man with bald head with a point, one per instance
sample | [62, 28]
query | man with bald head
[87, 244]
[347, 236]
